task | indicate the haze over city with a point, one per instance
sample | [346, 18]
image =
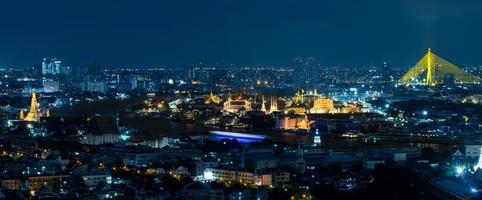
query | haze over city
[243, 33]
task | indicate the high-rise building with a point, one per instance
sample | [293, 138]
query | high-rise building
[298, 76]
[305, 73]
[51, 66]
[94, 69]
[386, 77]
[36, 71]
[311, 72]
[94, 81]
[50, 85]
[112, 81]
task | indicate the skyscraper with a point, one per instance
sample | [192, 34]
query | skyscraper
[95, 81]
[298, 79]
[311, 72]
[51, 66]
[305, 73]
[386, 79]
[94, 69]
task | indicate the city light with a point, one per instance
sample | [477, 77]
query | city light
[212, 103]
[238, 135]
[125, 137]
[459, 170]
[208, 176]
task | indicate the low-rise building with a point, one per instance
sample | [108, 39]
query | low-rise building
[36, 182]
[212, 174]
[398, 154]
[11, 184]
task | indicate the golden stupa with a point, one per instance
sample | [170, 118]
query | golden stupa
[34, 113]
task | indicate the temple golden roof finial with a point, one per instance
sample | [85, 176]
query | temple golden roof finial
[212, 98]
[21, 115]
[34, 113]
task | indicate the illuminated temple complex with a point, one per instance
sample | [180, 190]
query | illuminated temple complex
[323, 105]
[293, 114]
[237, 103]
[303, 104]
[313, 103]
[232, 103]
[34, 112]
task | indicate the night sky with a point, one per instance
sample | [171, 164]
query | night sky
[245, 32]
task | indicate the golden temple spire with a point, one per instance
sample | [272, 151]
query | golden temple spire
[274, 105]
[21, 115]
[33, 113]
[212, 99]
[263, 106]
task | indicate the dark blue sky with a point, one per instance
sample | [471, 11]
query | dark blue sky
[241, 32]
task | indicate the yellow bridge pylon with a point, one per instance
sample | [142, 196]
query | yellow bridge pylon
[435, 68]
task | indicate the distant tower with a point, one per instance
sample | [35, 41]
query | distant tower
[298, 75]
[430, 79]
[51, 66]
[94, 68]
[311, 73]
[386, 79]
[94, 72]
[305, 72]
[317, 138]
[300, 163]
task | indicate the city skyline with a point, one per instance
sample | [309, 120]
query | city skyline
[174, 34]
[266, 100]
